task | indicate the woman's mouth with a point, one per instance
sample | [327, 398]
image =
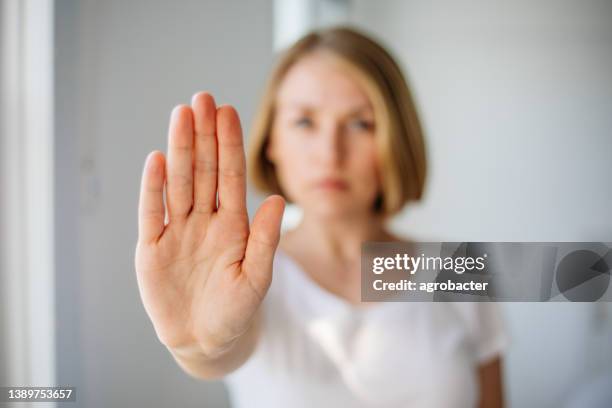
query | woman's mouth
[334, 184]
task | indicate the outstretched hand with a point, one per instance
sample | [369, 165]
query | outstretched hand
[202, 270]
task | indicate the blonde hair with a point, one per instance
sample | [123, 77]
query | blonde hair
[400, 141]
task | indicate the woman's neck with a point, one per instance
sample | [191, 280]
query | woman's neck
[338, 239]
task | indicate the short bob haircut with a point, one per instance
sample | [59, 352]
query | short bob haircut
[400, 141]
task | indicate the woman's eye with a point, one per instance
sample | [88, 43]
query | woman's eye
[303, 122]
[361, 125]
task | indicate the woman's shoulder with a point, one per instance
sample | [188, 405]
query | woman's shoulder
[283, 272]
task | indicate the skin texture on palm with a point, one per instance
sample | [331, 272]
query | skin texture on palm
[203, 274]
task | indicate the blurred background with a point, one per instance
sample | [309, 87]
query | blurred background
[516, 100]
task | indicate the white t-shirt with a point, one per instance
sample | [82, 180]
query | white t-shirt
[318, 350]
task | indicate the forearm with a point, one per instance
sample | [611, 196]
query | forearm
[195, 362]
[491, 385]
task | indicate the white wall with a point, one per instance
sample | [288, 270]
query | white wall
[3, 318]
[124, 65]
[516, 98]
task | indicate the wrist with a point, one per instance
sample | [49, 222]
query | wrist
[201, 351]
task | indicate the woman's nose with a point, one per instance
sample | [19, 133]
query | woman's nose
[331, 149]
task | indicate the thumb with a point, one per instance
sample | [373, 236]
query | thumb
[263, 240]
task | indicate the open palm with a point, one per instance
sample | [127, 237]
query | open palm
[202, 270]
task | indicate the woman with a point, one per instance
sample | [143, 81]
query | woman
[337, 133]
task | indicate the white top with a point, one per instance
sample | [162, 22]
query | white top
[318, 350]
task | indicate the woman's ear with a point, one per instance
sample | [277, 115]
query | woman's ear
[269, 151]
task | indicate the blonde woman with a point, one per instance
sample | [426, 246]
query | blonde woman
[279, 316]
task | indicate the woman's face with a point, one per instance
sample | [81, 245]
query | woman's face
[323, 140]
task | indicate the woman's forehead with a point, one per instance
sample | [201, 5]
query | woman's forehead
[308, 106]
[318, 83]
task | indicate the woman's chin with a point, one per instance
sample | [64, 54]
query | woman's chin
[334, 209]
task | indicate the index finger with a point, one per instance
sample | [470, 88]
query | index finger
[232, 162]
